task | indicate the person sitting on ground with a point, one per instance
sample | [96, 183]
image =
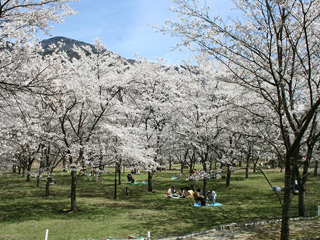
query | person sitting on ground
[51, 181]
[199, 198]
[171, 192]
[130, 178]
[211, 195]
[181, 193]
[188, 193]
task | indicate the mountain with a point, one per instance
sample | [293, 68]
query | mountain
[68, 45]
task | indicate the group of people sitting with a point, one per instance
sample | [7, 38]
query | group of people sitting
[189, 192]
[210, 196]
[135, 171]
[196, 175]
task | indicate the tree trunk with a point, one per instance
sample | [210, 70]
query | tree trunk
[302, 187]
[247, 166]
[29, 165]
[204, 190]
[150, 173]
[301, 200]
[205, 183]
[192, 161]
[64, 165]
[273, 163]
[115, 181]
[39, 174]
[315, 173]
[28, 175]
[48, 186]
[119, 175]
[38, 180]
[280, 163]
[73, 191]
[286, 200]
[228, 180]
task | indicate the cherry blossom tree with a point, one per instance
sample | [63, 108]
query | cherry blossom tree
[89, 94]
[19, 22]
[22, 66]
[154, 92]
[90, 109]
[272, 50]
[24, 113]
[201, 114]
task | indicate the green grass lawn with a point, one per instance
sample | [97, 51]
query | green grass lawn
[26, 214]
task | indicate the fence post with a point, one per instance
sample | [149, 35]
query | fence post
[47, 234]
[149, 235]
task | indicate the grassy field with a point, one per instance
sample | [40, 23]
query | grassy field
[26, 214]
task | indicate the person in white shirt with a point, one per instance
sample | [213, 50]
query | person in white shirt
[211, 195]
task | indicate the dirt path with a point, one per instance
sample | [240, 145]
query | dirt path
[301, 229]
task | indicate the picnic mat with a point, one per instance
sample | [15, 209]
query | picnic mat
[208, 205]
[139, 183]
[175, 197]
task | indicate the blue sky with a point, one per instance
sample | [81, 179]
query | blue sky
[124, 26]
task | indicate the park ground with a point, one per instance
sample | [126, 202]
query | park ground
[26, 213]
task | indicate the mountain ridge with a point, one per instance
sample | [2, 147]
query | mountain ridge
[68, 45]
